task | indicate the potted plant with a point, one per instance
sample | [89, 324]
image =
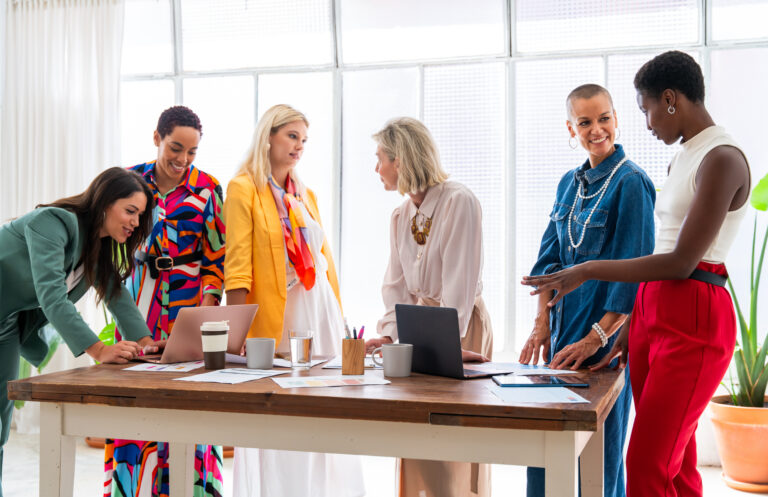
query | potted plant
[740, 419]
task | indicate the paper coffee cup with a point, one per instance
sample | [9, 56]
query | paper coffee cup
[214, 336]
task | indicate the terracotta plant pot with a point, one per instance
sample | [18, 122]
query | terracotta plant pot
[742, 439]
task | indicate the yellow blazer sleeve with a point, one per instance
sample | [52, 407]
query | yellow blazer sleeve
[326, 250]
[238, 208]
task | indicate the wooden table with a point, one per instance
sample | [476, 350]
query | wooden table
[423, 417]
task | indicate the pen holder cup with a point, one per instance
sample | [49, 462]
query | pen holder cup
[352, 356]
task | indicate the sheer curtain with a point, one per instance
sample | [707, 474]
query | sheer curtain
[60, 121]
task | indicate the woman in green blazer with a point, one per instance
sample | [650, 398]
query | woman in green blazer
[51, 256]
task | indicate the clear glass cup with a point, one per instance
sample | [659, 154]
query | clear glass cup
[301, 348]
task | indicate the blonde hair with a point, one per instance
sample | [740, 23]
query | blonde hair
[256, 164]
[410, 141]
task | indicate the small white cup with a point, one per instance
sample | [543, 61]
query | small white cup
[396, 359]
[259, 353]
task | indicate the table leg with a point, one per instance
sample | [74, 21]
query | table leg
[181, 461]
[57, 453]
[560, 464]
[592, 466]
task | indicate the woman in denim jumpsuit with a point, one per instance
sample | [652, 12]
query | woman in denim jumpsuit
[603, 210]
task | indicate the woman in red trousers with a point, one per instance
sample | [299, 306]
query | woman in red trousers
[682, 333]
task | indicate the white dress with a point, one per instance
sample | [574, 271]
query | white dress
[283, 473]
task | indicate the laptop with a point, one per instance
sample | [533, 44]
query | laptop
[186, 344]
[434, 333]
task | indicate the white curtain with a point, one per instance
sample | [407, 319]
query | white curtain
[60, 119]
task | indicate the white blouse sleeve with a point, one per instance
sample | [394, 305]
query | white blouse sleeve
[394, 289]
[461, 247]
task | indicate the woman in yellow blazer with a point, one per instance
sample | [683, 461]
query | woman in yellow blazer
[277, 256]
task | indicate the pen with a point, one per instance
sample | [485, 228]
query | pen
[354, 333]
[347, 333]
[362, 329]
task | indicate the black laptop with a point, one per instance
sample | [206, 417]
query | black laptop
[434, 333]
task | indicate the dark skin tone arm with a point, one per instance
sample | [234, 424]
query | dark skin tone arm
[722, 185]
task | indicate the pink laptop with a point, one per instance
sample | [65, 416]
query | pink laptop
[186, 343]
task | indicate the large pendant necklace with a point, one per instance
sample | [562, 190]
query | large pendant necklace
[579, 194]
[420, 235]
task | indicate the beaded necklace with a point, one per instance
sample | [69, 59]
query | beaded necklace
[579, 195]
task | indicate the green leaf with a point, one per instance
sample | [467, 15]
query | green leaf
[759, 198]
[107, 334]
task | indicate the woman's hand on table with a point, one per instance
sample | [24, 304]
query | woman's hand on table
[539, 341]
[469, 356]
[149, 346]
[119, 353]
[573, 355]
[375, 343]
[620, 349]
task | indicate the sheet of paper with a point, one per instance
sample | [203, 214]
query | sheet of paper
[277, 362]
[533, 395]
[232, 375]
[335, 363]
[178, 367]
[329, 381]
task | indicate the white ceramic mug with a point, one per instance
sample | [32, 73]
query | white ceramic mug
[259, 353]
[396, 359]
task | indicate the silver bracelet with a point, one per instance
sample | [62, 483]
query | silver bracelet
[599, 330]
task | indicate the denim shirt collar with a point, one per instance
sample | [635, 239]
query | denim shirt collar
[588, 174]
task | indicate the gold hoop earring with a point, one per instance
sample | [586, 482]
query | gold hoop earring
[573, 144]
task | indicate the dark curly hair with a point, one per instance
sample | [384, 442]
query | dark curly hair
[177, 115]
[672, 70]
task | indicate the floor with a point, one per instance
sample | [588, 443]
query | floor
[20, 473]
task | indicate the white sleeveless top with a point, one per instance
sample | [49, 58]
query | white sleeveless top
[675, 199]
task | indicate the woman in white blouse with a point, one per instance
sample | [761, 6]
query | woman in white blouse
[436, 259]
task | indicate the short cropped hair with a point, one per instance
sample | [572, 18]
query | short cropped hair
[410, 141]
[177, 115]
[586, 91]
[672, 70]
[256, 164]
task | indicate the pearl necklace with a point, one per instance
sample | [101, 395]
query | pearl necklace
[579, 195]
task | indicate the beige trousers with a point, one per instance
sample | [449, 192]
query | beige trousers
[421, 478]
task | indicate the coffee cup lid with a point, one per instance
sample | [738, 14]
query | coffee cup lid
[214, 326]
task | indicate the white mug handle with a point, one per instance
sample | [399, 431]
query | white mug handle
[374, 356]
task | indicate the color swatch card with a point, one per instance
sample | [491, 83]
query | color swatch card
[550, 395]
[179, 367]
[329, 381]
[232, 375]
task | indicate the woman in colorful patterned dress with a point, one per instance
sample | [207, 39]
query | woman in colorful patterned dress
[279, 257]
[179, 265]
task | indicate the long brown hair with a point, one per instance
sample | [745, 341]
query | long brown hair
[107, 263]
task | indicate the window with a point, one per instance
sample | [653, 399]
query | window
[232, 34]
[566, 25]
[394, 30]
[489, 82]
